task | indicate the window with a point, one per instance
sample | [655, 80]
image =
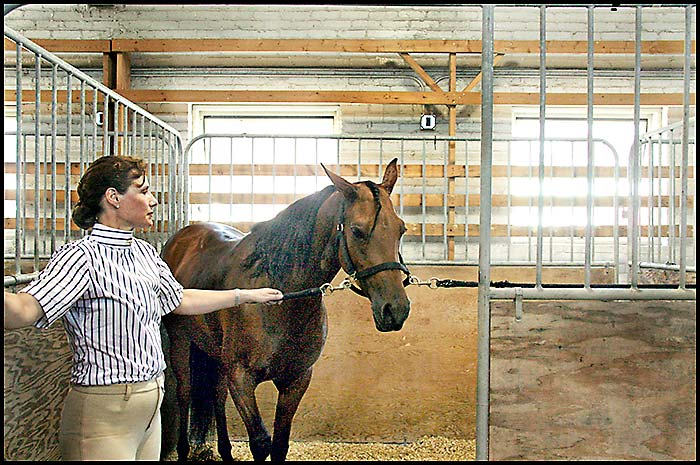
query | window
[251, 162]
[564, 157]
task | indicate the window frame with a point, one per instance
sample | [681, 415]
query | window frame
[198, 112]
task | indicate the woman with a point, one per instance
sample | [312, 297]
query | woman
[113, 289]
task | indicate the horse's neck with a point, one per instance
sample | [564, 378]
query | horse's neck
[326, 246]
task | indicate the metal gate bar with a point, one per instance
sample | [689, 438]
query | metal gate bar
[486, 292]
[160, 146]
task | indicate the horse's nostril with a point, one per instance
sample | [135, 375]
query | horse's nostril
[387, 313]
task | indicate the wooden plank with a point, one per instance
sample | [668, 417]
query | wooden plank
[414, 229]
[477, 79]
[570, 98]
[367, 97]
[289, 96]
[295, 45]
[29, 168]
[30, 196]
[430, 200]
[29, 96]
[346, 170]
[649, 47]
[622, 47]
[123, 71]
[371, 170]
[421, 72]
[399, 98]
[67, 45]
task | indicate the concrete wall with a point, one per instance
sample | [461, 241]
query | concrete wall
[64, 21]
[352, 22]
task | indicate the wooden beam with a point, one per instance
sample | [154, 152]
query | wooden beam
[123, 71]
[368, 97]
[578, 47]
[109, 70]
[477, 78]
[649, 47]
[580, 99]
[369, 170]
[295, 45]
[400, 98]
[421, 72]
[68, 45]
[413, 229]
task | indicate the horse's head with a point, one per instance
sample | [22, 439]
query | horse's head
[369, 231]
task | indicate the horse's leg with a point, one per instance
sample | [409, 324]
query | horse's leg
[180, 358]
[290, 395]
[242, 388]
[223, 442]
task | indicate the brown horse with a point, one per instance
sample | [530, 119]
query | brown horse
[348, 225]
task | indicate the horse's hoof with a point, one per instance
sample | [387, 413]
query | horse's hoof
[279, 454]
[225, 454]
[261, 447]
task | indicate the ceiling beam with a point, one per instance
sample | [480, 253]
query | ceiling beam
[649, 47]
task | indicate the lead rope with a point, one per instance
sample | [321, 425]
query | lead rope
[435, 283]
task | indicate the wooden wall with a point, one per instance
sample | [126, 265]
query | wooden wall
[593, 381]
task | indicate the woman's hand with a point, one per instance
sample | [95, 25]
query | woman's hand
[264, 295]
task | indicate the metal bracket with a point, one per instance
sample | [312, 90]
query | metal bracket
[518, 304]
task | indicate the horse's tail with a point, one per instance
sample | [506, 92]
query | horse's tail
[204, 378]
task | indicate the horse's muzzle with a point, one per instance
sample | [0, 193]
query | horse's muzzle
[390, 316]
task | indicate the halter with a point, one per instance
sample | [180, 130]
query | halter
[372, 270]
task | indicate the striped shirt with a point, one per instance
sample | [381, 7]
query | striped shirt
[113, 290]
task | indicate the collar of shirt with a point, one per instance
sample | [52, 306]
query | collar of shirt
[111, 236]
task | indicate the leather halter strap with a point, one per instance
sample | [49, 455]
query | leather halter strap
[372, 270]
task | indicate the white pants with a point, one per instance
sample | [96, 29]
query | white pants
[115, 422]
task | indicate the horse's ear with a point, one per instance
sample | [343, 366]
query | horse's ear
[391, 174]
[348, 189]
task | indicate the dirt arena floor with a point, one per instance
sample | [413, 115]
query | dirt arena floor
[426, 448]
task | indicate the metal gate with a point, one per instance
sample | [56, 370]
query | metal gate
[58, 119]
[635, 174]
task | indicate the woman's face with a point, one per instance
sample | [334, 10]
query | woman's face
[137, 204]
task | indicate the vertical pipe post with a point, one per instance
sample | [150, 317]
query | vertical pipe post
[633, 172]
[54, 105]
[19, 192]
[484, 317]
[684, 147]
[66, 189]
[540, 170]
[37, 151]
[672, 197]
[589, 173]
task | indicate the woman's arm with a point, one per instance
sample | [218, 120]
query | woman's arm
[21, 310]
[200, 301]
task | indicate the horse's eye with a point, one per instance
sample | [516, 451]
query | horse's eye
[358, 233]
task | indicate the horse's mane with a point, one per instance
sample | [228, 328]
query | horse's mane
[283, 244]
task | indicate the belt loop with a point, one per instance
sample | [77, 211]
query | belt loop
[127, 391]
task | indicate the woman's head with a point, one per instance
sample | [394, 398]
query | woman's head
[110, 183]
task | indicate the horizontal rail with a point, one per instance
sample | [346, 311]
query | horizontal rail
[591, 294]
[17, 280]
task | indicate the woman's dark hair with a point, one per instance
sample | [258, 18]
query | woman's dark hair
[105, 172]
